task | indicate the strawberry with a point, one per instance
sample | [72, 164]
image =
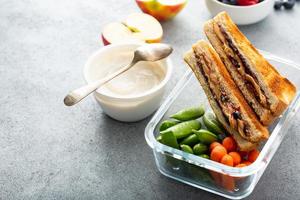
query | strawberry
[246, 2]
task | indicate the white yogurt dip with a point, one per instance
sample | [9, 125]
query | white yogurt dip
[131, 96]
[142, 77]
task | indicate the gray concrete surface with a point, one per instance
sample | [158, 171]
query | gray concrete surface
[48, 151]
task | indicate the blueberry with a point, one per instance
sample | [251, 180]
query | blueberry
[289, 4]
[278, 4]
[230, 2]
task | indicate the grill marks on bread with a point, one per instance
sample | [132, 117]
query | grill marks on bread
[235, 109]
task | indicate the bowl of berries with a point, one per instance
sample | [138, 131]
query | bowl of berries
[242, 12]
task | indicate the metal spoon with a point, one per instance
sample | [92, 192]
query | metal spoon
[147, 52]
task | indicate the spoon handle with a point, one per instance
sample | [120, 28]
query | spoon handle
[78, 94]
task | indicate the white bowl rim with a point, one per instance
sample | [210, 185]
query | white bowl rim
[169, 70]
[240, 7]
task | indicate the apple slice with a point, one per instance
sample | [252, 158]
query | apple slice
[161, 9]
[117, 33]
[145, 27]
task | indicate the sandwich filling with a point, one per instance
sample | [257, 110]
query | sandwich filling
[243, 68]
[230, 110]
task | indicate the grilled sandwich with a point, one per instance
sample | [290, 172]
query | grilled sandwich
[224, 96]
[265, 90]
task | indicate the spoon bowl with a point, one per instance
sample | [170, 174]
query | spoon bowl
[152, 52]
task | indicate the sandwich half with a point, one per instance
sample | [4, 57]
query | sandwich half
[265, 90]
[224, 96]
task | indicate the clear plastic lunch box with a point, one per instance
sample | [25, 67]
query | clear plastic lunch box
[230, 182]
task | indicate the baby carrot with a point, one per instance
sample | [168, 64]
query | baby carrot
[228, 182]
[253, 155]
[227, 160]
[217, 153]
[229, 144]
[217, 177]
[246, 163]
[213, 145]
[236, 157]
[241, 165]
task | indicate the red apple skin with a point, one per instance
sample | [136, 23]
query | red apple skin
[105, 42]
[159, 11]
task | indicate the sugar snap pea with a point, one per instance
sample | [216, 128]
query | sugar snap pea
[158, 138]
[189, 113]
[200, 149]
[183, 129]
[186, 148]
[212, 124]
[204, 156]
[205, 136]
[190, 140]
[169, 139]
[200, 174]
[167, 124]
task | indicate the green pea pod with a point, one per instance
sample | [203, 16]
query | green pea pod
[167, 124]
[200, 174]
[169, 139]
[184, 129]
[212, 124]
[200, 149]
[189, 113]
[205, 136]
[204, 156]
[172, 162]
[190, 140]
[186, 148]
[159, 138]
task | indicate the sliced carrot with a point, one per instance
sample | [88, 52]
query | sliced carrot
[253, 155]
[217, 177]
[236, 157]
[228, 182]
[246, 163]
[213, 145]
[229, 144]
[241, 165]
[227, 160]
[217, 153]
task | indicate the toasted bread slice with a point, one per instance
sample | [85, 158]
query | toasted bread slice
[266, 91]
[227, 55]
[242, 144]
[235, 109]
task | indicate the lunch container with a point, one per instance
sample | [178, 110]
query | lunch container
[230, 182]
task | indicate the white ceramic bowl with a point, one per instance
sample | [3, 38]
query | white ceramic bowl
[128, 108]
[242, 15]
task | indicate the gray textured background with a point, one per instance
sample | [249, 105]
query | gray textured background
[48, 151]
